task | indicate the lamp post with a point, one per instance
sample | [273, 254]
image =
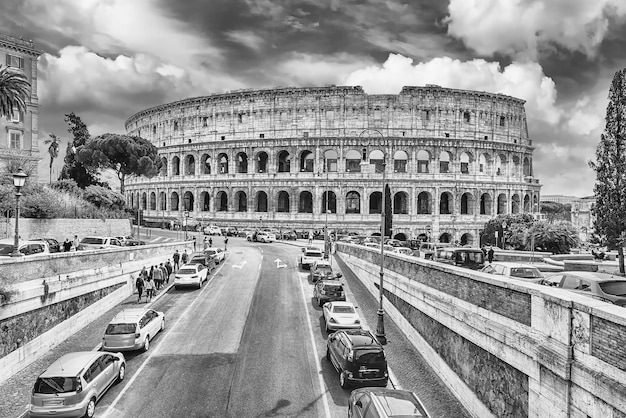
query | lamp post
[503, 238]
[380, 326]
[326, 234]
[19, 179]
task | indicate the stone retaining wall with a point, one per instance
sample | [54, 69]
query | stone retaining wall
[60, 229]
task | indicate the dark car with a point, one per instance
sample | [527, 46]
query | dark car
[53, 245]
[231, 231]
[322, 269]
[202, 258]
[328, 291]
[289, 235]
[385, 403]
[358, 357]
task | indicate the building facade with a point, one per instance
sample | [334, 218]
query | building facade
[19, 132]
[303, 158]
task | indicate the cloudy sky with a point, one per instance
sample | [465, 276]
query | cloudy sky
[107, 59]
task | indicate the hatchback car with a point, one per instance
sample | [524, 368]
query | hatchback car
[212, 230]
[321, 269]
[328, 291]
[385, 403]
[217, 254]
[53, 245]
[24, 247]
[98, 243]
[265, 236]
[601, 286]
[340, 315]
[519, 271]
[71, 386]
[191, 275]
[358, 357]
[132, 329]
[309, 256]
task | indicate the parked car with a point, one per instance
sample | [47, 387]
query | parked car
[73, 384]
[601, 286]
[289, 236]
[340, 315]
[217, 254]
[358, 357]
[385, 403]
[309, 256]
[393, 242]
[130, 241]
[203, 258]
[132, 329]
[190, 275]
[23, 247]
[265, 236]
[243, 233]
[53, 245]
[212, 230]
[403, 251]
[428, 249]
[328, 291]
[231, 231]
[471, 258]
[321, 269]
[519, 271]
[98, 243]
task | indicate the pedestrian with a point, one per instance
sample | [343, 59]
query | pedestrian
[176, 258]
[310, 237]
[184, 257]
[210, 242]
[225, 243]
[156, 277]
[76, 242]
[67, 245]
[490, 255]
[169, 268]
[194, 244]
[149, 284]
[205, 243]
[164, 274]
[139, 284]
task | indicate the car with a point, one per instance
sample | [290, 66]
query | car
[243, 233]
[518, 271]
[403, 251]
[340, 315]
[358, 357]
[98, 243]
[53, 245]
[212, 230]
[130, 241]
[190, 275]
[231, 231]
[217, 254]
[202, 258]
[372, 245]
[265, 236]
[328, 291]
[428, 249]
[393, 242]
[132, 329]
[71, 385]
[289, 236]
[27, 248]
[309, 256]
[602, 286]
[321, 269]
[471, 258]
[385, 403]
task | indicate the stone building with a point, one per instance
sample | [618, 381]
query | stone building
[19, 132]
[301, 158]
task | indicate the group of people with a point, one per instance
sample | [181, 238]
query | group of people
[153, 280]
[71, 245]
[488, 253]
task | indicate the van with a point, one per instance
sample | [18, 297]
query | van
[472, 258]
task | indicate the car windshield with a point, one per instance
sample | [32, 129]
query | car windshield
[470, 257]
[401, 404]
[617, 288]
[91, 240]
[343, 309]
[118, 329]
[313, 254]
[369, 356]
[210, 252]
[6, 249]
[333, 287]
[54, 385]
[324, 269]
[525, 272]
[187, 270]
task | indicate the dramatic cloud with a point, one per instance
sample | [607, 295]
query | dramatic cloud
[301, 69]
[522, 28]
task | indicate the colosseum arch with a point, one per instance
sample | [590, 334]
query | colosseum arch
[132, 200]
[332, 202]
[467, 204]
[221, 199]
[485, 204]
[484, 164]
[400, 203]
[331, 158]
[400, 161]
[305, 202]
[153, 203]
[444, 162]
[307, 160]
[176, 166]
[516, 164]
[353, 161]
[376, 203]
[222, 161]
[261, 162]
[465, 159]
[174, 201]
[515, 203]
[500, 165]
[163, 170]
[424, 206]
[423, 160]
[242, 162]
[188, 201]
[527, 207]
[377, 158]
[261, 201]
[501, 204]
[241, 201]
[205, 162]
[190, 165]
[445, 237]
[162, 201]
[284, 162]
[144, 204]
[467, 239]
[353, 202]
[205, 201]
[445, 203]
[283, 202]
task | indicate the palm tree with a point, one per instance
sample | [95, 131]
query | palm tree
[14, 91]
[53, 150]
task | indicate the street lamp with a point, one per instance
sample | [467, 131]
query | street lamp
[19, 179]
[503, 229]
[380, 326]
[326, 234]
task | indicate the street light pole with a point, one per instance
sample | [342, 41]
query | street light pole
[19, 179]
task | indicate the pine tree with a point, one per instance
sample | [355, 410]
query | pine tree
[74, 169]
[610, 168]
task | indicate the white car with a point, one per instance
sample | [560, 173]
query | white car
[24, 247]
[518, 271]
[190, 275]
[99, 243]
[341, 315]
[403, 251]
[217, 254]
[264, 236]
[212, 230]
[132, 329]
[309, 256]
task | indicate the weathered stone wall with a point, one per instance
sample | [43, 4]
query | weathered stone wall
[554, 353]
[60, 229]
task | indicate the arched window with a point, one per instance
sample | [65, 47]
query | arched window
[283, 202]
[445, 203]
[353, 161]
[306, 161]
[153, 204]
[353, 202]
[467, 239]
[467, 204]
[222, 201]
[422, 161]
[501, 204]
[483, 164]
[465, 162]
[400, 159]
[206, 164]
[144, 203]
[174, 201]
[527, 204]
[331, 157]
[444, 162]
[188, 201]
[400, 203]
[528, 170]
[176, 166]
[190, 165]
[242, 162]
[376, 203]
[515, 203]
[163, 171]
[162, 201]
[499, 165]
[423, 203]
[332, 202]
[305, 203]
[205, 202]
[445, 237]
[284, 163]
[261, 162]
[485, 204]
[261, 202]
[223, 162]
[242, 201]
[378, 159]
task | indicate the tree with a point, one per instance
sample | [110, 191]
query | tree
[610, 168]
[558, 237]
[557, 211]
[388, 213]
[127, 156]
[53, 150]
[516, 227]
[74, 169]
[14, 91]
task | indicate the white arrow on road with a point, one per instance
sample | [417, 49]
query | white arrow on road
[238, 266]
[279, 263]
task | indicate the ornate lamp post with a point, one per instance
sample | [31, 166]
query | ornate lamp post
[503, 238]
[19, 179]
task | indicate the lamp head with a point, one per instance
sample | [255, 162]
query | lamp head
[19, 178]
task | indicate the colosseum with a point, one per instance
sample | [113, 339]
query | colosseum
[303, 158]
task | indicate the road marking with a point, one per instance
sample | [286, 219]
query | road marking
[279, 263]
[153, 352]
[318, 364]
[239, 266]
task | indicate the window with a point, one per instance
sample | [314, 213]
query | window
[94, 370]
[15, 61]
[305, 134]
[175, 125]
[502, 120]
[466, 116]
[261, 136]
[204, 122]
[15, 140]
[425, 115]
[378, 115]
[223, 137]
[16, 115]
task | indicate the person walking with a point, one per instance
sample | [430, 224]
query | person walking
[75, 243]
[139, 284]
[194, 244]
[176, 258]
[156, 277]
[210, 241]
[67, 245]
[205, 243]
[164, 275]
[225, 243]
[310, 237]
[490, 255]
[168, 267]
[185, 257]
[149, 290]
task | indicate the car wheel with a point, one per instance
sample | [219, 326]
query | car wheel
[91, 408]
[146, 344]
[121, 373]
[343, 382]
[200, 284]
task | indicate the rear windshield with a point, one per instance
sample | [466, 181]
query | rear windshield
[369, 356]
[400, 404]
[313, 254]
[187, 271]
[6, 249]
[118, 329]
[469, 257]
[343, 309]
[525, 272]
[614, 288]
[333, 288]
[324, 269]
[88, 240]
[53, 385]
[210, 252]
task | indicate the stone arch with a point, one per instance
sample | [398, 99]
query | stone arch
[190, 165]
[162, 201]
[163, 170]
[153, 202]
[376, 203]
[535, 203]
[222, 161]
[283, 202]
[353, 202]
[527, 167]
[444, 162]
[205, 201]
[400, 236]
[515, 203]
[465, 160]
[445, 203]
[445, 237]
[400, 161]
[527, 203]
[483, 164]
[305, 202]
[174, 201]
[400, 203]
[502, 204]
[261, 201]
[423, 160]
[221, 200]
[205, 162]
[353, 161]
[467, 204]
[188, 201]
[176, 166]
[485, 204]
[144, 201]
[261, 162]
[307, 160]
[241, 201]
[467, 239]
[284, 162]
[331, 158]
[242, 162]
[424, 206]
[332, 202]
[377, 158]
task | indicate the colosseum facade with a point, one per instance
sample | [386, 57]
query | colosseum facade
[300, 158]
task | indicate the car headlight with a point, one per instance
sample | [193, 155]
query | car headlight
[332, 320]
